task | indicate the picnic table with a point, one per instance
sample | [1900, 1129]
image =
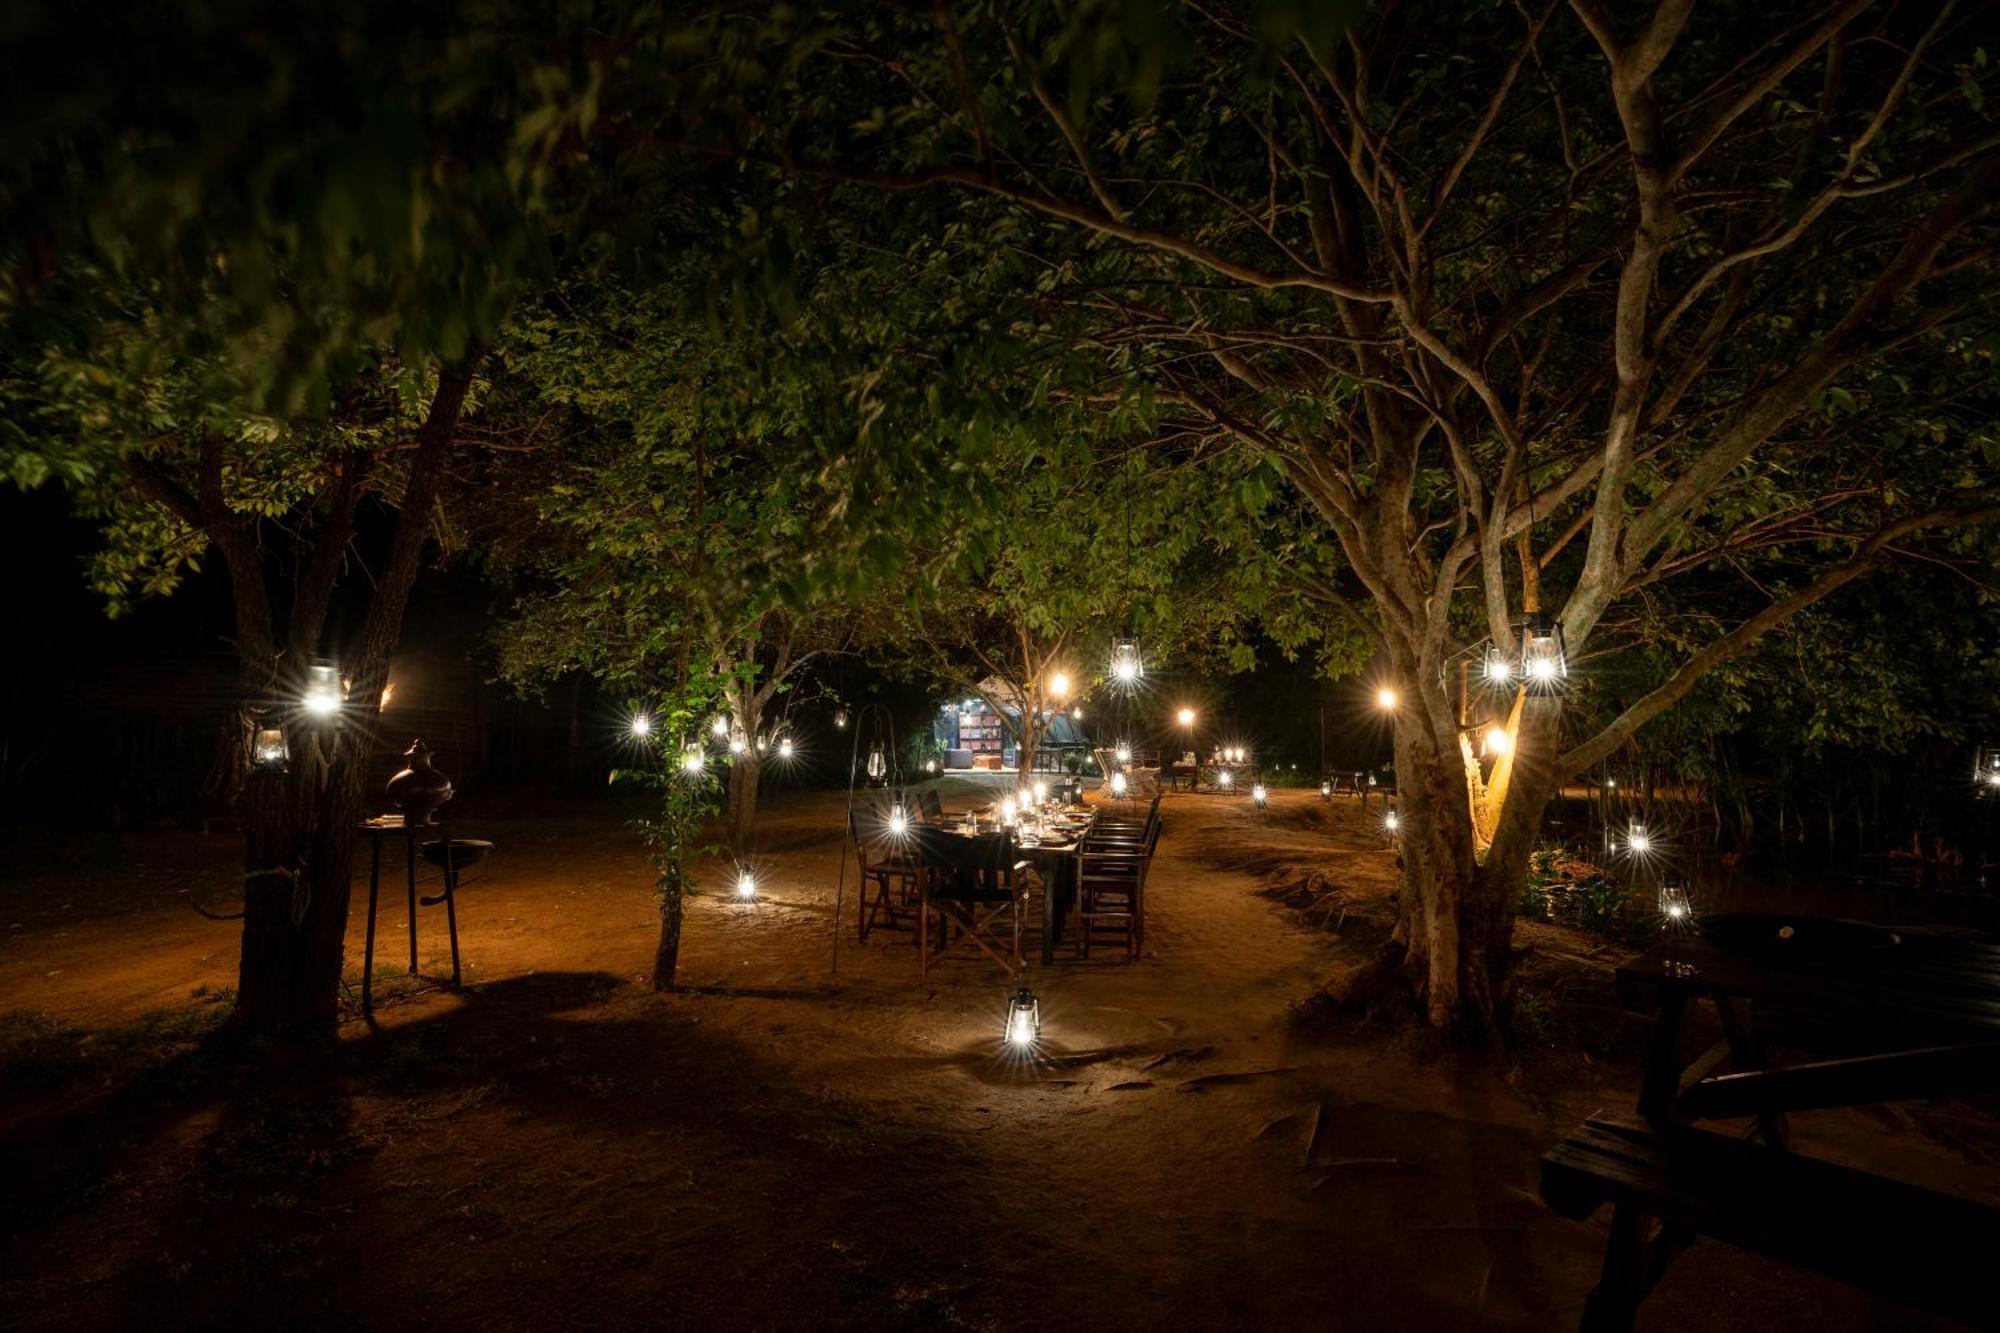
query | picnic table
[1054, 860]
[1925, 1009]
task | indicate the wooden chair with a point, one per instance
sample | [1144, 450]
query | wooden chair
[976, 883]
[891, 876]
[1111, 888]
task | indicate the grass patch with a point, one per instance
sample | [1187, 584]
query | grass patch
[41, 1054]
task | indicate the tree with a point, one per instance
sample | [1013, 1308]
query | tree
[1536, 307]
[247, 281]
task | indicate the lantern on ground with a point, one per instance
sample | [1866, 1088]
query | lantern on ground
[324, 693]
[1499, 666]
[1118, 785]
[1259, 796]
[746, 885]
[878, 765]
[930, 766]
[1024, 1019]
[1391, 824]
[1225, 780]
[270, 752]
[1326, 789]
[1544, 657]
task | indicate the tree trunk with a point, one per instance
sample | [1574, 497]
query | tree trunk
[744, 772]
[667, 955]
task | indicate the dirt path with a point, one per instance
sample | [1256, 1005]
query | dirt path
[777, 1147]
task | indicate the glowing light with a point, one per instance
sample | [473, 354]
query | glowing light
[1125, 672]
[1041, 791]
[1498, 741]
[1258, 794]
[1124, 754]
[785, 748]
[1225, 779]
[1675, 904]
[1024, 1019]
[388, 693]
[1326, 791]
[269, 751]
[1498, 669]
[1391, 822]
[1386, 699]
[737, 745]
[1076, 713]
[1059, 685]
[324, 694]
[1006, 809]
[719, 727]
[878, 763]
[642, 725]
[1118, 785]
[746, 885]
[930, 765]
[1542, 669]
[899, 823]
[1637, 840]
[1186, 716]
[840, 719]
[693, 762]
[1125, 663]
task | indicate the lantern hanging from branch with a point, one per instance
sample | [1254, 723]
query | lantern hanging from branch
[878, 765]
[1126, 667]
[324, 692]
[1499, 666]
[270, 752]
[1544, 657]
[1676, 905]
[840, 719]
[1986, 768]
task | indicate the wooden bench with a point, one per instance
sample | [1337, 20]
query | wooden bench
[1667, 1186]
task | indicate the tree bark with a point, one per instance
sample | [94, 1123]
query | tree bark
[667, 954]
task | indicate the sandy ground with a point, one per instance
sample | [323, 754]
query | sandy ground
[778, 1146]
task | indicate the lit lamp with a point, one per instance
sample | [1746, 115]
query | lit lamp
[1041, 790]
[1499, 668]
[930, 766]
[1986, 768]
[1259, 796]
[1123, 753]
[693, 762]
[899, 822]
[642, 726]
[840, 719]
[785, 748]
[746, 886]
[1498, 742]
[1058, 685]
[323, 693]
[1118, 785]
[1544, 657]
[738, 742]
[1637, 841]
[1076, 713]
[1126, 668]
[1024, 1019]
[719, 728]
[1225, 780]
[878, 765]
[1186, 717]
[1326, 789]
[1386, 699]
[1006, 810]
[1676, 906]
[269, 751]
[1391, 825]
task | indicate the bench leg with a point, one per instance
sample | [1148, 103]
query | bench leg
[1746, 1053]
[1614, 1301]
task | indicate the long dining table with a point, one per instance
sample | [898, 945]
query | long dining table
[1053, 855]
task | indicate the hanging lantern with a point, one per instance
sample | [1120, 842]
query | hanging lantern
[1638, 842]
[642, 726]
[1124, 753]
[899, 822]
[1386, 699]
[1186, 717]
[1676, 906]
[878, 765]
[1544, 658]
[1258, 796]
[746, 885]
[270, 752]
[840, 719]
[719, 727]
[1076, 713]
[1986, 768]
[1058, 684]
[1499, 667]
[1326, 789]
[1024, 1019]
[693, 762]
[930, 766]
[785, 748]
[324, 692]
[1126, 667]
[762, 741]
[1118, 785]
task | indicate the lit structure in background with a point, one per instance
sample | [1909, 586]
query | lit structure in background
[1544, 656]
[1024, 1019]
[746, 885]
[1126, 666]
[324, 694]
[1118, 785]
[270, 752]
[642, 726]
[1387, 699]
